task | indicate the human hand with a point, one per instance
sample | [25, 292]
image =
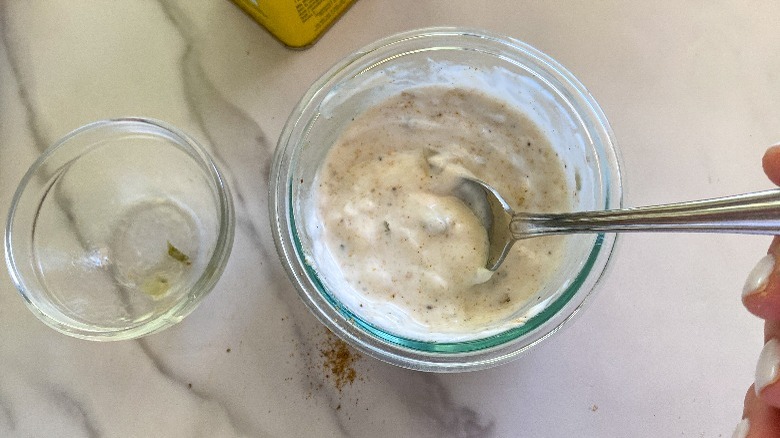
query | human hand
[761, 296]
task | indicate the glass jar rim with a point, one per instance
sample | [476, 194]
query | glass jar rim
[421, 355]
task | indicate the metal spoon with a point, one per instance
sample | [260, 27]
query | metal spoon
[749, 213]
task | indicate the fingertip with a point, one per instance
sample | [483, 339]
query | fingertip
[759, 277]
[764, 303]
[771, 163]
[750, 395]
[771, 330]
[771, 395]
[763, 420]
[767, 384]
[761, 292]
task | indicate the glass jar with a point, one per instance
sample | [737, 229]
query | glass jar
[501, 67]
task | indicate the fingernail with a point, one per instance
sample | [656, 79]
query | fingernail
[759, 275]
[768, 365]
[742, 429]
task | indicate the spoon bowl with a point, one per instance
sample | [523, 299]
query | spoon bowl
[493, 212]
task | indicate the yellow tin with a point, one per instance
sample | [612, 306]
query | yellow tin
[296, 23]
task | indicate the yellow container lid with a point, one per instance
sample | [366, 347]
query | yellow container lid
[296, 23]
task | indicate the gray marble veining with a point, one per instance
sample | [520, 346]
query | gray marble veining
[249, 361]
[77, 411]
[16, 68]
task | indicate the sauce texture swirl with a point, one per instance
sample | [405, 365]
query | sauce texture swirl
[398, 248]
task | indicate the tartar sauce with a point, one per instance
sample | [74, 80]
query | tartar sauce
[405, 254]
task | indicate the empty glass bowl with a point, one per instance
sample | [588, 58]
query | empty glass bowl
[503, 68]
[119, 230]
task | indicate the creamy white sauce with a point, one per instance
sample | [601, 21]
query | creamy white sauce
[398, 249]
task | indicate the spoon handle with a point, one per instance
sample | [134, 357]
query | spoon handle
[749, 213]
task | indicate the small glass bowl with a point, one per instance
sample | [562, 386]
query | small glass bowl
[119, 230]
[501, 67]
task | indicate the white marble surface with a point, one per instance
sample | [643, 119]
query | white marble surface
[665, 348]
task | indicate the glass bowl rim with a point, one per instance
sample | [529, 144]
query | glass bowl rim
[202, 286]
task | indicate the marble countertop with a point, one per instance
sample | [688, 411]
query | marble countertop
[664, 349]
